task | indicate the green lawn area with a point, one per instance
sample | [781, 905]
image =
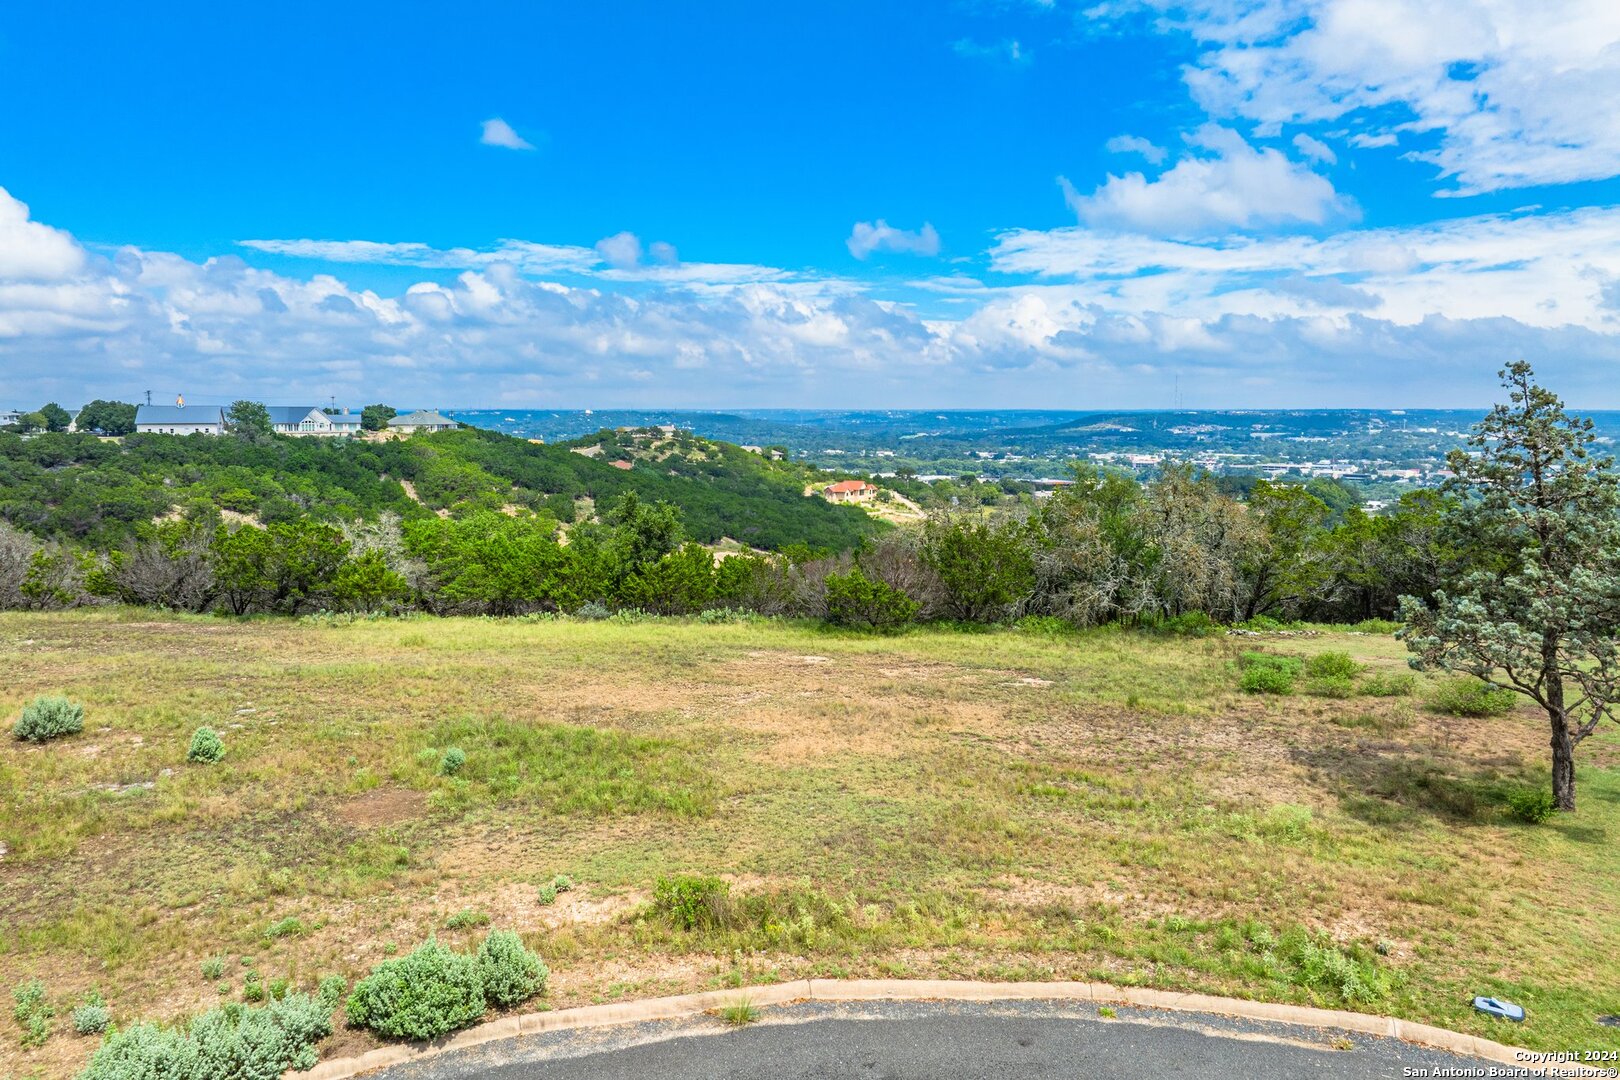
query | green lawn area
[1003, 805]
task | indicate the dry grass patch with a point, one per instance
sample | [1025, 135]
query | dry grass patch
[1007, 804]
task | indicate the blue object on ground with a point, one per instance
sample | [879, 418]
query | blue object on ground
[1495, 1007]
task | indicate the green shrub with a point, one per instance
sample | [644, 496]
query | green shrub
[693, 902]
[252, 987]
[1190, 624]
[33, 1012]
[48, 718]
[593, 610]
[233, 1041]
[1332, 665]
[466, 919]
[1532, 805]
[279, 988]
[1330, 686]
[1293, 665]
[511, 973]
[1471, 697]
[1389, 685]
[562, 883]
[428, 993]
[143, 1052]
[853, 599]
[1320, 964]
[213, 968]
[291, 926]
[1381, 627]
[1266, 680]
[548, 893]
[93, 1016]
[331, 991]
[224, 1043]
[206, 746]
[454, 759]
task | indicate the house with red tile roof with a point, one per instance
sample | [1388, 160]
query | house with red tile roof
[849, 491]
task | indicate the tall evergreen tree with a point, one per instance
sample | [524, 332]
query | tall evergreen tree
[1536, 609]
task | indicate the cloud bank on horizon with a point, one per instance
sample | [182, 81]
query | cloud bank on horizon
[1359, 202]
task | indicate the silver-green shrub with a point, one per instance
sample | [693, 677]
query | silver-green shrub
[231, 1042]
[48, 718]
[510, 972]
[426, 994]
[92, 1017]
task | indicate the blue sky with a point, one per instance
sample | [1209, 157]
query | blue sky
[994, 203]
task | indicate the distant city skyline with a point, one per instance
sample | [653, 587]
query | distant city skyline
[992, 203]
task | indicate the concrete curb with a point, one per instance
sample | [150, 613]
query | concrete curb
[686, 1005]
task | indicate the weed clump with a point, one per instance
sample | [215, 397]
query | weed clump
[466, 919]
[48, 718]
[1332, 665]
[692, 902]
[1534, 806]
[454, 759]
[1331, 686]
[1471, 697]
[33, 1012]
[1389, 685]
[1268, 673]
[739, 1013]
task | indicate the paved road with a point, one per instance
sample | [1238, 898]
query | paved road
[936, 1041]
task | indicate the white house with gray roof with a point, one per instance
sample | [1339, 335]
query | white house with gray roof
[210, 420]
[421, 420]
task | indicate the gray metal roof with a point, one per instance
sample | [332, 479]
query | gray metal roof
[422, 418]
[289, 414]
[180, 414]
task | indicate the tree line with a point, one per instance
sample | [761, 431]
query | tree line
[1510, 572]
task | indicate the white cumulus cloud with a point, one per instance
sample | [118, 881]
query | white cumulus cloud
[1509, 93]
[1223, 183]
[498, 132]
[872, 236]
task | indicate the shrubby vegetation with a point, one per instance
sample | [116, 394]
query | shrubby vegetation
[206, 747]
[225, 1043]
[435, 990]
[48, 718]
[491, 525]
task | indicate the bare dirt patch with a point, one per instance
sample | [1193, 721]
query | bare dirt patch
[385, 806]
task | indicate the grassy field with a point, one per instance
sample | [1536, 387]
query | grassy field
[1003, 805]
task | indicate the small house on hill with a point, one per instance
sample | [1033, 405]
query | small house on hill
[421, 420]
[852, 491]
[180, 419]
[307, 420]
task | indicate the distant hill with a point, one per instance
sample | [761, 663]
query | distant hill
[99, 491]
